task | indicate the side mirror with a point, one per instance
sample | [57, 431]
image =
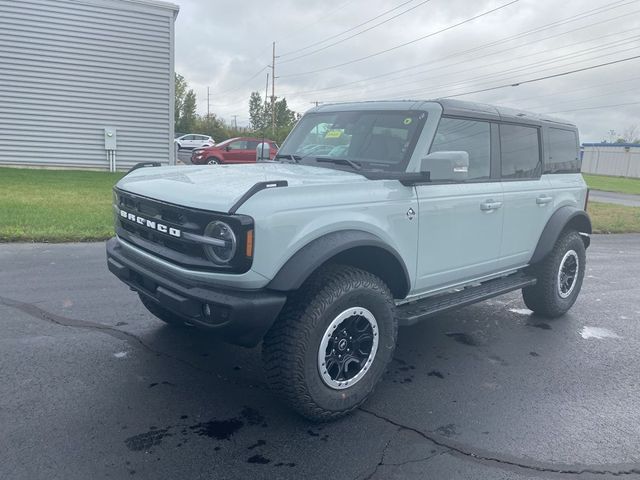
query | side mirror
[227, 148]
[452, 165]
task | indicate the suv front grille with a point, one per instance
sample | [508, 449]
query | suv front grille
[166, 245]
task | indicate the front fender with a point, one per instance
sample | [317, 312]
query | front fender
[307, 260]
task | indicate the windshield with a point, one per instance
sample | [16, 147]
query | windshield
[369, 140]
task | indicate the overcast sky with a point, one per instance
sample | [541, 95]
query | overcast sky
[227, 46]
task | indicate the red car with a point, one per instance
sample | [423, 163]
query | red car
[234, 150]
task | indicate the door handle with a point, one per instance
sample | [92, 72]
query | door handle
[543, 199]
[490, 205]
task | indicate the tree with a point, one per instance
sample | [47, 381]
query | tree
[188, 118]
[257, 112]
[284, 116]
[180, 92]
[213, 126]
[185, 105]
[630, 135]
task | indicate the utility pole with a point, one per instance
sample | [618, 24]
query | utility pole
[235, 121]
[207, 103]
[273, 89]
[316, 103]
[264, 115]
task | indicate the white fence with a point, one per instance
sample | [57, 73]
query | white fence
[617, 159]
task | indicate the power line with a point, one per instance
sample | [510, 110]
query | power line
[544, 78]
[242, 84]
[345, 31]
[462, 83]
[402, 44]
[357, 33]
[555, 94]
[571, 19]
[539, 63]
[593, 108]
[336, 10]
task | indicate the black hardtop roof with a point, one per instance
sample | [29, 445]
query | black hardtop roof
[459, 108]
[464, 108]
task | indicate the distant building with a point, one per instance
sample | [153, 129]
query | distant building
[86, 83]
[617, 159]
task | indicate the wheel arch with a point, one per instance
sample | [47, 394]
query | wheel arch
[349, 247]
[565, 218]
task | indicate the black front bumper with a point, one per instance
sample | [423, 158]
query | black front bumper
[238, 316]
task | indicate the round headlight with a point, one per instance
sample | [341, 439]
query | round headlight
[220, 231]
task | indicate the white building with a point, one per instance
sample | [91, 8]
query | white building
[616, 159]
[73, 71]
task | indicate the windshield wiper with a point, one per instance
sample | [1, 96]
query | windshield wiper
[290, 156]
[340, 161]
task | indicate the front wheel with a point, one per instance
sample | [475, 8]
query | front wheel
[212, 161]
[559, 277]
[332, 343]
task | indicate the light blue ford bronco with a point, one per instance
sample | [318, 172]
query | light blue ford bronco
[374, 215]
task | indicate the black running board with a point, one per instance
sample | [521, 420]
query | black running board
[413, 312]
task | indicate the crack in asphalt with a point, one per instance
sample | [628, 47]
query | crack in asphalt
[382, 463]
[382, 455]
[502, 462]
[34, 311]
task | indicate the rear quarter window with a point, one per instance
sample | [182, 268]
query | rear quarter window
[564, 156]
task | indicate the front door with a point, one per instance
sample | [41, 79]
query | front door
[460, 223]
[236, 152]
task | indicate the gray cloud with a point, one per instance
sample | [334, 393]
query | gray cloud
[223, 44]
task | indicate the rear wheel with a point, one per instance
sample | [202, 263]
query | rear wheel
[332, 343]
[559, 277]
[162, 313]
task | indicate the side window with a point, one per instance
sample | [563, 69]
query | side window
[470, 136]
[238, 145]
[563, 152]
[520, 148]
[252, 144]
[189, 137]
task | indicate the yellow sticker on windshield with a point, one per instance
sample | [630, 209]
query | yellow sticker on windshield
[333, 134]
[407, 121]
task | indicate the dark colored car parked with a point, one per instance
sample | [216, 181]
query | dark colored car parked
[234, 150]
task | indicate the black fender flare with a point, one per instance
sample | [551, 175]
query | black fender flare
[561, 219]
[310, 257]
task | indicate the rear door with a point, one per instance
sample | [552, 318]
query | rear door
[460, 223]
[528, 197]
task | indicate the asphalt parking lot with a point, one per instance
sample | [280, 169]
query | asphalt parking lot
[92, 386]
[184, 156]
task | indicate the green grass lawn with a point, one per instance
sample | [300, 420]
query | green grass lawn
[55, 205]
[613, 184]
[610, 218]
[66, 206]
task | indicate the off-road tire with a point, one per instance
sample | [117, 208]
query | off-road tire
[163, 314]
[291, 347]
[544, 297]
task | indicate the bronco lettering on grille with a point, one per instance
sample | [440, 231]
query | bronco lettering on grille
[174, 232]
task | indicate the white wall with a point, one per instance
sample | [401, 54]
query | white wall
[70, 68]
[619, 161]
